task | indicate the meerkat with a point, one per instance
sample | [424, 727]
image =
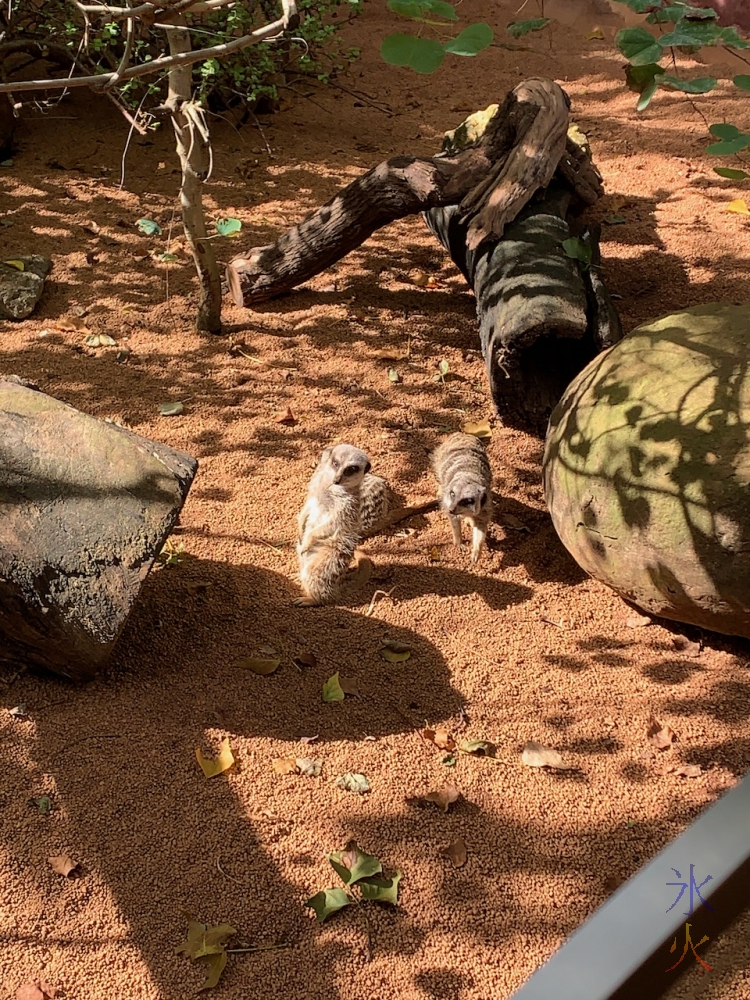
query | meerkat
[330, 523]
[464, 476]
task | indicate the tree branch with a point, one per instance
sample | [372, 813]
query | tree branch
[156, 65]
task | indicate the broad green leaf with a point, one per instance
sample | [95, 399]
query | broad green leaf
[149, 227]
[421, 10]
[577, 249]
[731, 38]
[203, 940]
[731, 174]
[647, 93]
[724, 131]
[742, 81]
[326, 902]
[423, 55]
[332, 690]
[701, 85]
[481, 748]
[381, 889]
[171, 409]
[516, 29]
[471, 40]
[228, 227]
[638, 46]
[444, 367]
[729, 147]
[644, 80]
[639, 6]
[353, 864]
[679, 11]
[698, 33]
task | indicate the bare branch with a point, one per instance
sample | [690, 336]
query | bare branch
[125, 56]
[155, 66]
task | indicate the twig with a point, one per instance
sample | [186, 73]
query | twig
[125, 56]
[133, 127]
[386, 109]
[383, 593]
[230, 877]
[273, 29]
[259, 947]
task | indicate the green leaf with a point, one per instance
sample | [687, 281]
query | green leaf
[395, 651]
[172, 409]
[729, 147]
[742, 81]
[7, 163]
[701, 85]
[149, 227]
[228, 227]
[638, 46]
[332, 690]
[215, 965]
[382, 889]
[577, 249]
[481, 748]
[679, 11]
[444, 367]
[352, 864]
[423, 55]
[644, 80]
[327, 902]
[168, 257]
[724, 131]
[420, 10]
[471, 40]
[516, 29]
[203, 940]
[44, 804]
[647, 93]
[732, 38]
[731, 174]
[393, 375]
[692, 34]
[615, 220]
[640, 6]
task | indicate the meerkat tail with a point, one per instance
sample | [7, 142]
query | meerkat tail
[400, 514]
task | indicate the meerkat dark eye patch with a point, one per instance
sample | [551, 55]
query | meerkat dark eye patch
[351, 470]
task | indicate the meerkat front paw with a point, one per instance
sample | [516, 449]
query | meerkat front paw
[305, 602]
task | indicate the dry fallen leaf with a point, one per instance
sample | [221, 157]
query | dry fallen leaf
[434, 554]
[259, 665]
[639, 621]
[39, 990]
[308, 767]
[199, 587]
[306, 660]
[686, 646]
[440, 737]
[594, 33]
[660, 736]
[353, 782]
[444, 797]
[481, 430]
[420, 279]
[738, 206]
[308, 739]
[213, 766]
[395, 651]
[537, 755]
[456, 852]
[62, 864]
[512, 522]
[285, 765]
[286, 417]
[479, 748]
[392, 354]
[688, 770]
[349, 685]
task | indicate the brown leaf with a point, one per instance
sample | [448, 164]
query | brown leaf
[349, 685]
[306, 660]
[612, 882]
[440, 737]
[659, 736]
[391, 354]
[444, 797]
[685, 646]
[456, 852]
[259, 665]
[286, 417]
[688, 770]
[309, 767]
[639, 621]
[62, 864]
[537, 755]
[420, 279]
[285, 765]
[199, 587]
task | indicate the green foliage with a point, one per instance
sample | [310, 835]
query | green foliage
[700, 85]
[357, 870]
[638, 46]
[425, 55]
[579, 250]
[250, 77]
[516, 29]
[731, 174]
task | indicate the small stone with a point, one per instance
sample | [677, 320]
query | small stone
[20, 290]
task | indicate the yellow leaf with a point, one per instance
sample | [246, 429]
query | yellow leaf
[434, 554]
[481, 430]
[18, 264]
[213, 766]
[259, 666]
[420, 279]
[285, 765]
[738, 206]
[395, 652]
[596, 33]
[215, 965]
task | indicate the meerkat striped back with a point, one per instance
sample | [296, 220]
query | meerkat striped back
[375, 502]
[464, 456]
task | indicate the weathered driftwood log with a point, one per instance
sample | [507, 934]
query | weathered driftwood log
[85, 507]
[499, 198]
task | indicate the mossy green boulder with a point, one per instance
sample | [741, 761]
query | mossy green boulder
[647, 467]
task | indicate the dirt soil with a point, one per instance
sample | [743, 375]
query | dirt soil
[520, 647]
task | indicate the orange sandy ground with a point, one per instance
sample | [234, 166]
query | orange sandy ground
[524, 642]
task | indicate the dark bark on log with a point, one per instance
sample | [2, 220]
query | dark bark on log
[541, 318]
[535, 112]
[85, 507]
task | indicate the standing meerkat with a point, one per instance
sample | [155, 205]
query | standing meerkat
[330, 523]
[464, 476]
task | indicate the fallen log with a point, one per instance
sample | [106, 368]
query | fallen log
[85, 507]
[500, 197]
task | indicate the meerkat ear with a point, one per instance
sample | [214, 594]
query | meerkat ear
[367, 468]
[325, 455]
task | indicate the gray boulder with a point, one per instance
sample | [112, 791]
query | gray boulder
[22, 287]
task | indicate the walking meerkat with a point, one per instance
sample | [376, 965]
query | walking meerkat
[331, 522]
[464, 476]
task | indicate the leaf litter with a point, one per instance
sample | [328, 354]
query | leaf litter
[660, 736]
[353, 782]
[456, 853]
[395, 652]
[63, 865]
[207, 945]
[537, 755]
[360, 871]
[443, 798]
[216, 765]
[260, 665]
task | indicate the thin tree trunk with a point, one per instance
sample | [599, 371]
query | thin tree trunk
[191, 134]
